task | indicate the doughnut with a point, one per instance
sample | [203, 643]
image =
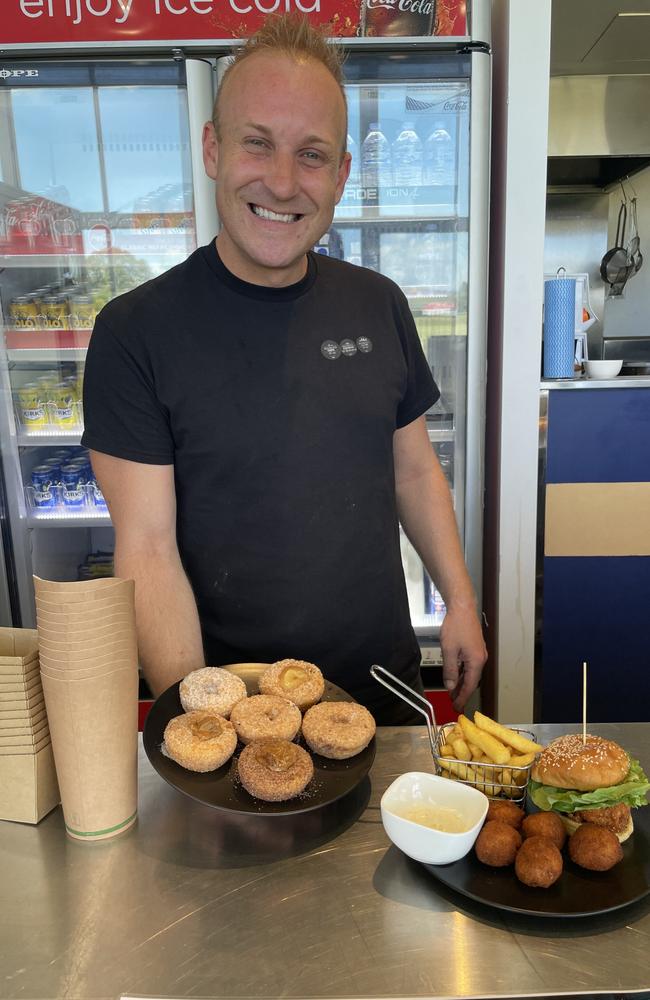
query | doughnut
[338, 729]
[200, 741]
[265, 716]
[299, 681]
[274, 770]
[211, 688]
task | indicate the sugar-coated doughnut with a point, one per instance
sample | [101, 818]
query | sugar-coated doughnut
[211, 688]
[299, 681]
[265, 716]
[274, 770]
[338, 729]
[200, 741]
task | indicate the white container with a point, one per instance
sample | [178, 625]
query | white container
[602, 369]
[422, 843]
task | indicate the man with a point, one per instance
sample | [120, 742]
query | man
[255, 416]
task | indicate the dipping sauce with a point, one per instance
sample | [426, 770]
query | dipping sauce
[442, 818]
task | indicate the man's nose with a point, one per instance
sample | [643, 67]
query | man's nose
[282, 175]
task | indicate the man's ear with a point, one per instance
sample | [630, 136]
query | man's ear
[210, 150]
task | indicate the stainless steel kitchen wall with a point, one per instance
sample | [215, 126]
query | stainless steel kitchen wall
[576, 239]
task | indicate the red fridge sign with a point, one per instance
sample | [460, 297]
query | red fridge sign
[34, 22]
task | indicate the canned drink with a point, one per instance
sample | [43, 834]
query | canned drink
[55, 471]
[23, 312]
[64, 400]
[97, 495]
[55, 312]
[32, 410]
[82, 312]
[44, 498]
[41, 477]
[74, 497]
[70, 476]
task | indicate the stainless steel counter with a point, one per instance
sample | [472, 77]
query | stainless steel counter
[620, 382]
[185, 905]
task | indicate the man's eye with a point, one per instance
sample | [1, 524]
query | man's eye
[255, 143]
[313, 156]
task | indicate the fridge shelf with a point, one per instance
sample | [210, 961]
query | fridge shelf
[34, 260]
[49, 354]
[47, 439]
[63, 520]
[29, 340]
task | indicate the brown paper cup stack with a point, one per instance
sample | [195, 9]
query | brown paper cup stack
[89, 673]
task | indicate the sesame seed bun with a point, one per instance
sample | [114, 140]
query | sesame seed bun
[567, 762]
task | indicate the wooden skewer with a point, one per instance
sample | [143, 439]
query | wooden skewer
[584, 703]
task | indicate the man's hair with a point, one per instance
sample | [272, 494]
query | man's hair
[294, 36]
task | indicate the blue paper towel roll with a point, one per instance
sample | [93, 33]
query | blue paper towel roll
[559, 327]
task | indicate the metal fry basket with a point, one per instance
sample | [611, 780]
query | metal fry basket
[498, 781]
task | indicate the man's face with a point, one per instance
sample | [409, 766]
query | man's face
[278, 164]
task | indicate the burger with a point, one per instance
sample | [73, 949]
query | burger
[589, 782]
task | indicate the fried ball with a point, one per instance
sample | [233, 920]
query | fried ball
[497, 844]
[505, 812]
[595, 848]
[547, 825]
[538, 863]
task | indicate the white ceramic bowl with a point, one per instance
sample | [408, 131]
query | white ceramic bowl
[422, 843]
[602, 369]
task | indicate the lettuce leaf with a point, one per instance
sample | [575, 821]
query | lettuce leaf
[632, 791]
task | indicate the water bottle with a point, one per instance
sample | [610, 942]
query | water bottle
[407, 157]
[355, 174]
[439, 158]
[375, 158]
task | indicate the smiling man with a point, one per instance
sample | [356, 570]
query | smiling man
[256, 416]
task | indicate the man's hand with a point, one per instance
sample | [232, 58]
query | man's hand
[463, 653]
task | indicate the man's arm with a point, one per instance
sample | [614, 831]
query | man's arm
[426, 513]
[142, 503]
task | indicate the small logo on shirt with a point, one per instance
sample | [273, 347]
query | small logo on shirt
[332, 350]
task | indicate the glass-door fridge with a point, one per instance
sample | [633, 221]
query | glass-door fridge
[415, 208]
[96, 196]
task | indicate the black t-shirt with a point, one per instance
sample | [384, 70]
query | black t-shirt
[277, 408]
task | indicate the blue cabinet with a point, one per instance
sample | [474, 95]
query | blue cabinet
[595, 579]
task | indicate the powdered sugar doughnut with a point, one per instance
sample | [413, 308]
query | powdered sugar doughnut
[264, 716]
[299, 681]
[200, 741]
[338, 729]
[211, 688]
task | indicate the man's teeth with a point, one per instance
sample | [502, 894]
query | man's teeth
[265, 213]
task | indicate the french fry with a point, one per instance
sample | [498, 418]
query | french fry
[458, 770]
[521, 760]
[505, 735]
[446, 750]
[455, 733]
[499, 753]
[461, 750]
[475, 751]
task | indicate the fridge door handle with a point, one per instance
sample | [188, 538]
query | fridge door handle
[200, 99]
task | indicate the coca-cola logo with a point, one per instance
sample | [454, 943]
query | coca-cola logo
[415, 6]
[455, 105]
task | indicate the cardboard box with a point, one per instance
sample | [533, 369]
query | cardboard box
[28, 784]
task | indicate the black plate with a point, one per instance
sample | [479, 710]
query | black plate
[577, 893]
[221, 789]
